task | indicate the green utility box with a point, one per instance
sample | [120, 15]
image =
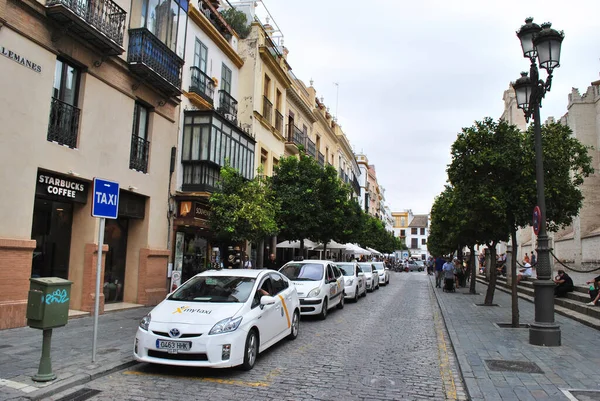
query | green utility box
[48, 302]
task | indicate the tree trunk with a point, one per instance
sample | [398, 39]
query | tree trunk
[260, 254]
[302, 248]
[513, 286]
[324, 250]
[473, 270]
[489, 295]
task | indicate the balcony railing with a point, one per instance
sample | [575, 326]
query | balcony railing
[101, 22]
[64, 123]
[153, 60]
[228, 106]
[311, 148]
[321, 159]
[278, 121]
[267, 110]
[202, 84]
[139, 154]
[294, 135]
[356, 185]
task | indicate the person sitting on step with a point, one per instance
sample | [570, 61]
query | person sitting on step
[594, 293]
[564, 284]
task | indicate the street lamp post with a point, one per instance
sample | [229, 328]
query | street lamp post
[541, 44]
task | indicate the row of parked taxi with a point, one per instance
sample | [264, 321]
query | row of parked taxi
[224, 318]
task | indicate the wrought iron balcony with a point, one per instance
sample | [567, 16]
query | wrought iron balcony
[64, 123]
[202, 84]
[321, 159]
[279, 121]
[267, 110]
[295, 136]
[138, 159]
[153, 61]
[100, 22]
[355, 185]
[311, 148]
[227, 106]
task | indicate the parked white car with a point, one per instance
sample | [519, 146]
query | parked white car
[383, 272]
[220, 318]
[355, 282]
[371, 276]
[319, 283]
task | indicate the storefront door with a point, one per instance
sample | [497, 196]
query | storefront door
[51, 229]
[115, 236]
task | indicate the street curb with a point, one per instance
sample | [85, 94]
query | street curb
[452, 336]
[79, 379]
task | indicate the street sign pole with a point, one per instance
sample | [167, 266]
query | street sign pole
[98, 279]
[105, 206]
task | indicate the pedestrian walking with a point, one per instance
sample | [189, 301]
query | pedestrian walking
[533, 259]
[439, 264]
[248, 263]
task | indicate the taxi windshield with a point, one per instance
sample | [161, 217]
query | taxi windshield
[379, 266]
[366, 267]
[214, 289]
[346, 268]
[303, 271]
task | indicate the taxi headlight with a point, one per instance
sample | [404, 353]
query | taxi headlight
[314, 293]
[350, 281]
[145, 322]
[226, 326]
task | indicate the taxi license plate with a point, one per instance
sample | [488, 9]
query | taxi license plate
[174, 346]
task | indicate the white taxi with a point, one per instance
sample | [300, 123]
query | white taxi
[355, 282]
[371, 275]
[220, 318]
[383, 273]
[320, 285]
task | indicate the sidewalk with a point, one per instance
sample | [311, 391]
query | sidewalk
[20, 352]
[570, 372]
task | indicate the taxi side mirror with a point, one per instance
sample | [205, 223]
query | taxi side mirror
[267, 300]
[361, 274]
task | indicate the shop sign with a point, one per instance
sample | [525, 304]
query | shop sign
[196, 210]
[60, 188]
[20, 59]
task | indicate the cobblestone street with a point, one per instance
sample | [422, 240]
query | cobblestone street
[391, 345]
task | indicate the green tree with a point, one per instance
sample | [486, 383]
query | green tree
[293, 184]
[237, 21]
[477, 171]
[332, 197]
[242, 209]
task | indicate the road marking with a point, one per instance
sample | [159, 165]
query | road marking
[287, 315]
[445, 370]
[206, 379]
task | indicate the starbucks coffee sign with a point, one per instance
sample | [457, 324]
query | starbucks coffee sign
[60, 188]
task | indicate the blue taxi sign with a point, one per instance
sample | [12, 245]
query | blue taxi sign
[106, 199]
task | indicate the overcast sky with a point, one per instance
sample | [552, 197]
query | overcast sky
[412, 74]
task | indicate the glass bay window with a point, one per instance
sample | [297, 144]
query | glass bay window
[165, 19]
[209, 142]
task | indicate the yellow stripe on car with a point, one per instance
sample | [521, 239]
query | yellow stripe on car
[287, 315]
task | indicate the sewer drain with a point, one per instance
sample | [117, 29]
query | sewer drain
[379, 381]
[80, 395]
[499, 365]
[582, 395]
[486, 305]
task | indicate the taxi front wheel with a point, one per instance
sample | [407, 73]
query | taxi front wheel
[251, 350]
[295, 326]
[323, 314]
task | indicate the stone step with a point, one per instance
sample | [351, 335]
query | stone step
[575, 302]
[580, 294]
[561, 310]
